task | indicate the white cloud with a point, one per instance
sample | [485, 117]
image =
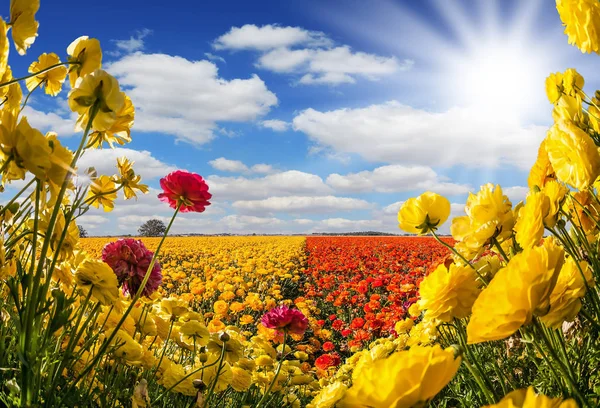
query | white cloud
[90, 221]
[310, 55]
[287, 183]
[105, 162]
[275, 125]
[134, 43]
[394, 179]
[50, 121]
[296, 204]
[252, 37]
[187, 99]
[214, 57]
[395, 133]
[516, 193]
[236, 166]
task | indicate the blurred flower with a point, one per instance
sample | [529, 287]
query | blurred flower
[527, 398]
[99, 278]
[186, 188]
[329, 395]
[582, 23]
[282, 318]
[541, 171]
[424, 213]
[529, 228]
[130, 259]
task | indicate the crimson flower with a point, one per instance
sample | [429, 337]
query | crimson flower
[185, 188]
[282, 318]
[129, 259]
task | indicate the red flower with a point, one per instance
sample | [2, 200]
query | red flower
[285, 319]
[327, 360]
[130, 259]
[328, 346]
[186, 188]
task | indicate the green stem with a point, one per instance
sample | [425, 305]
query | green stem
[51, 67]
[29, 94]
[264, 397]
[5, 207]
[162, 355]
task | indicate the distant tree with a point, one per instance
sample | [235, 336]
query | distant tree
[82, 232]
[152, 228]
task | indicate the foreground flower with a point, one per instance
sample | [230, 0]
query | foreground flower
[516, 293]
[186, 189]
[424, 213]
[85, 55]
[129, 258]
[98, 277]
[405, 379]
[329, 396]
[529, 227]
[52, 80]
[573, 155]
[23, 24]
[282, 318]
[447, 293]
[582, 23]
[527, 398]
[103, 192]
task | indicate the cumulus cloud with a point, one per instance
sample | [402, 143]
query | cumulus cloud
[63, 125]
[252, 37]
[296, 204]
[310, 55]
[105, 162]
[187, 99]
[133, 44]
[286, 183]
[275, 125]
[396, 133]
[395, 179]
[236, 166]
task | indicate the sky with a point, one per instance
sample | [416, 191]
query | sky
[314, 116]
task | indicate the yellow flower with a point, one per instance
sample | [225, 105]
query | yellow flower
[127, 348]
[573, 82]
[246, 319]
[329, 396]
[98, 89]
[128, 179]
[195, 332]
[542, 170]
[581, 19]
[404, 379]
[85, 55]
[488, 265]
[554, 87]
[424, 213]
[403, 326]
[489, 215]
[573, 155]
[4, 49]
[556, 193]
[220, 307]
[242, 379]
[565, 300]
[233, 348]
[99, 278]
[102, 193]
[584, 211]
[23, 24]
[529, 227]
[52, 79]
[517, 292]
[120, 130]
[449, 293]
[527, 398]
[174, 307]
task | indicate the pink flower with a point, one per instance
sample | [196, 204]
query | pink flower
[186, 188]
[130, 259]
[284, 319]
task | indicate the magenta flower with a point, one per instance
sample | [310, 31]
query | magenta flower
[282, 318]
[188, 188]
[129, 259]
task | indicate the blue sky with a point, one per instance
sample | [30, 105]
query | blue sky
[311, 116]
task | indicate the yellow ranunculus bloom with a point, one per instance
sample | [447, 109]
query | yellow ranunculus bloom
[98, 277]
[241, 380]
[573, 82]
[23, 24]
[529, 227]
[449, 293]
[541, 171]
[128, 349]
[87, 55]
[565, 300]
[404, 379]
[120, 131]
[554, 87]
[220, 307]
[4, 49]
[329, 396]
[101, 89]
[52, 79]
[489, 215]
[516, 293]
[582, 23]
[556, 193]
[194, 331]
[527, 398]
[102, 193]
[584, 211]
[573, 155]
[128, 179]
[424, 213]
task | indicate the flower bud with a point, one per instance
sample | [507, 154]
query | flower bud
[199, 384]
[224, 337]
